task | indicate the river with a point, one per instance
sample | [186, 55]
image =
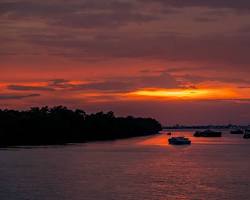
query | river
[145, 168]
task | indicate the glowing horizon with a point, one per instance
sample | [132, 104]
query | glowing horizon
[186, 94]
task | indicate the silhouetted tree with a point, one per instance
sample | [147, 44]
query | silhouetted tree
[59, 125]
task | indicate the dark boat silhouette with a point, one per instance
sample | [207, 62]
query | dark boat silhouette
[237, 131]
[207, 133]
[179, 141]
[246, 134]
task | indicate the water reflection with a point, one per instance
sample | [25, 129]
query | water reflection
[161, 140]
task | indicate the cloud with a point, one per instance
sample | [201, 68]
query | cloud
[106, 20]
[17, 96]
[114, 86]
[135, 9]
[58, 81]
[29, 88]
[215, 4]
[83, 13]
[223, 79]
[105, 30]
[205, 19]
[163, 80]
[126, 84]
[110, 84]
[219, 49]
[60, 84]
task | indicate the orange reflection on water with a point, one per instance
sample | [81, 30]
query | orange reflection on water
[161, 140]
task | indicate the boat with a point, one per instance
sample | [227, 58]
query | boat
[179, 140]
[169, 133]
[237, 131]
[207, 133]
[246, 134]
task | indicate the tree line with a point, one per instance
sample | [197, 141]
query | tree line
[60, 125]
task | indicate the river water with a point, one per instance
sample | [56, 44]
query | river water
[144, 168]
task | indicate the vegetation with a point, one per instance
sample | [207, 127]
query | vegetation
[59, 125]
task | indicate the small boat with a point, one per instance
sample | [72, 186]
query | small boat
[246, 134]
[237, 131]
[169, 133]
[207, 133]
[179, 140]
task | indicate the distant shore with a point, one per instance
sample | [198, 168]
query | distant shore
[60, 125]
[229, 126]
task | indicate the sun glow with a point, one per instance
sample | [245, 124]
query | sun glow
[186, 93]
[172, 93]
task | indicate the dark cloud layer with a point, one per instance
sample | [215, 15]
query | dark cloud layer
[27, 88]
[107, 42]
[114, 86]
[64, 8]
[84, 14]
[215, 49]
[17, 96]
[216, 4]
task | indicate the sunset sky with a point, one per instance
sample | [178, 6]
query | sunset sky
[179, 61]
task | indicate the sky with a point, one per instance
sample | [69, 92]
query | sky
[179, 61]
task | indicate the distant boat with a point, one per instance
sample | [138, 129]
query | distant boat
[237, 131]
[246, 134]
[169, 133]
[179, 140]
[207, 133]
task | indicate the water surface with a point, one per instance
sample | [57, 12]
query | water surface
[139, 168]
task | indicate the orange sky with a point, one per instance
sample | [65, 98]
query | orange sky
[149, 58]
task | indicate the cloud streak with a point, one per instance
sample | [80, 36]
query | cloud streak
[17, 96]
[215, 4]
[29, 88]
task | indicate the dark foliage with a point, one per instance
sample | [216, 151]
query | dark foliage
[59, 125]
